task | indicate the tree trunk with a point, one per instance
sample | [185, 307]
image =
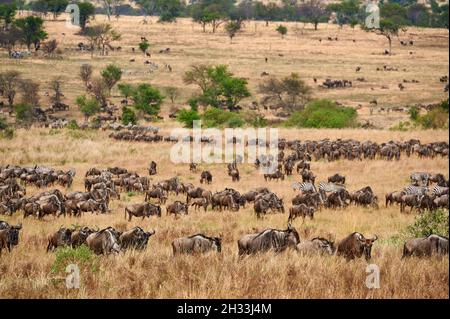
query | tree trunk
[390, 45]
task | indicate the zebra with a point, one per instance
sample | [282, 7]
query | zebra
[305, 187]
[330, 187]
[419, 177]
[415, 190]
[439, 191]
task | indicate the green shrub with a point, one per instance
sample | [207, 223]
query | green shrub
[3, 124]
[430, 223]
[253, 118]
[186, 117]
[436, 118]
[81, 256]
[215, 117]
[24, 112]
[323, 114]
[401, 126]
[414, 113]
[73, 125]
[128, 116]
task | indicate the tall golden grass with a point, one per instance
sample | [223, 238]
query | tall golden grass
[155, 273]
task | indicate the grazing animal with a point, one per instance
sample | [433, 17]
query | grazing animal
[355, 245]
[9, 236]
[196, 244]
[152, 168]
[135, 238]
[269, 239]
[104, 241]
[206, 177]
[200, 202]
[426, 246]
[78, 237]
[336, 178]
[301, 210]
[176, 208]
[142, 210]
[315, 246]
[62, 237]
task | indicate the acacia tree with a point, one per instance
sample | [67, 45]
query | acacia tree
[143, 46]
[7, 14]
[10, 38]
[30, 92]
[232, 28]
[314, 11]
[101, 36]
[55, 86]
[290, 93]
[281, 29]
[87, 11]
[32, 31]
[111, 75]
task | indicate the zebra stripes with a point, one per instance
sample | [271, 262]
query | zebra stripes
[305, 187]
[419, 177]
[415, 190]
[330, 187]
[439, 190]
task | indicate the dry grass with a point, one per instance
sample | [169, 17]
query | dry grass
[301, 52]
[26, 273]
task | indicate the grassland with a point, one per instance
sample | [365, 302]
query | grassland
[27, 271]
[300, 51]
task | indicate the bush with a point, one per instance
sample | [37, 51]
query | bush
[3, 124]
[24, 112]
[430, 223]
[323, 114]
[437, 118]
[81, 256]
[401, 126]
[5, 130]
[214, 117]
[414, 113]
[73, 125]
[128, 116]
[254, 119]
[186, 117]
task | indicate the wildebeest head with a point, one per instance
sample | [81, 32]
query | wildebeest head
[366, 245]
[293, 238]
[325, 245]
[217, 243]
[13, 234]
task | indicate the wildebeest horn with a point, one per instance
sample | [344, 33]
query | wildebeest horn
[19, 226]
[359, 237]
[375, 237]
[289, 225]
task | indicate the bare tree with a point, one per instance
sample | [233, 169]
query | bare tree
[86, 74]
[30, 92]
[55, 86]
[172, 93]
[9, 83]
[100, 91]
[49, 47]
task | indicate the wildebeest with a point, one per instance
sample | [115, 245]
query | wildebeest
[206, 177]
[104, 242]
[152, 168]
[142, 210]
[158, 193]
[92, 206]
[9, 236]
[308, 176]
[200, 202]
[135, 238]
[394, 197]
[78, 237]
[355, 245]
[62, 237]
[316, 245]
[300, 210]
[336, 178]
[234, 173]
[176, 208]
[269, 239]
[276, 175]
[196, 244]
[426, 246]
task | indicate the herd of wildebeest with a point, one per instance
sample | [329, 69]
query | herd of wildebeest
[426, 192]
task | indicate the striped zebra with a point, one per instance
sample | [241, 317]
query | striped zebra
[439, 191]
[330, 187]
[415, 190]
[305, 187]
[418, 178]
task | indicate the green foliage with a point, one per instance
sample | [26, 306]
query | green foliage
[147, 99]
[56, 7]
[111, 75]
[125, 89]
[186, 117]
[73, 125]
[253, 118]
[436, 118]
[143, 46]
[219, 87]
[430, 223]
[6, 131]
[81, 256]
[232, 28]
[7, 13]
[323, 114]
[32, 30]
[214, 117]
[3, 124]
[414, 113]
[281, 29]
[401, 126]
[128, 116]
[24, 112]
[347, 11]
[87, 11]
[88, 106]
